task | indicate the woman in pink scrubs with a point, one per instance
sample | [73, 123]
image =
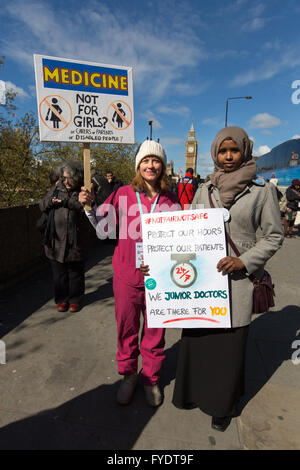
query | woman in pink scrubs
[122, 212]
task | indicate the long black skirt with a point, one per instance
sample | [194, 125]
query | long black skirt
[210, 370]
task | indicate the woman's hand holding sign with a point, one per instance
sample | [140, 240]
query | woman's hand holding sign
[86, 196]
[229, 264]
[144, 269]
[225, 265]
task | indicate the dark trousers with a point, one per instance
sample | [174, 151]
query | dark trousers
[210, 370]
[68, 281]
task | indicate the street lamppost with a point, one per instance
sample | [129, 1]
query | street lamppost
[150, 124]
[235, 98]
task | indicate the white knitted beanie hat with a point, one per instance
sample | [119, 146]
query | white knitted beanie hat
[150, 147]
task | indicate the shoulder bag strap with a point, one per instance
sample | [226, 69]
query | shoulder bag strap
[229, 240]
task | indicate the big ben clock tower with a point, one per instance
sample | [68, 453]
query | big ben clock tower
[191, 148]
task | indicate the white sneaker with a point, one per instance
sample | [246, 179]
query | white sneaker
[153, 395]
[126, 389]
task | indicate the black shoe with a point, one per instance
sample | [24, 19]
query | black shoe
[220, 424]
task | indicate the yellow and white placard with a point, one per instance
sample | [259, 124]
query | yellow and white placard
[84, 101]
[184, 288]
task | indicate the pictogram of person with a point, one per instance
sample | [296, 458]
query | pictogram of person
[54, 117]
[117, 116]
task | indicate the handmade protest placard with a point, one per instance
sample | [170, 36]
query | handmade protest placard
[84, 101]
[184, 288]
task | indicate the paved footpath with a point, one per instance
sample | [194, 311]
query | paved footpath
[58, 386]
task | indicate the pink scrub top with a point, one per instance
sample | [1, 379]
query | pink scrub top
[128, 224]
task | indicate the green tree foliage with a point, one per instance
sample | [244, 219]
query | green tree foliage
[16, 161]
[118, 158]
[7, 110]
[26, 163]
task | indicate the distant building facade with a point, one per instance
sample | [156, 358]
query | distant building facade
[191, 151]
[170, 168]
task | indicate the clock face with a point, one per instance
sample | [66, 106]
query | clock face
[183, 274]
[191, 149]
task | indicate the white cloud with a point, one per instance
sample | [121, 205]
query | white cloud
[15, 89]
[264, 73]
[214, 121]
[204, 159]
[161, 57]
[204, 164]
[274, 45]
[296, 136]
[2, 92]
[255, 21]
[288, 58]
[32, 89]
[261, 150]
[186, 89]
[266, 132]
[254, 24]
[257, 10]
[204, 171]
[171, 141]
[263, 121]
[230, 8]
[149, 115]
[180, 110]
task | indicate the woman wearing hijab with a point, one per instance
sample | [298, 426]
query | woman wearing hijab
[210, 371]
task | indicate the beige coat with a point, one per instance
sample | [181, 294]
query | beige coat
[254, 208]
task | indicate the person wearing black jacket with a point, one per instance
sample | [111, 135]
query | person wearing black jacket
[64, 237]
[104, 186]
[293, 205]
[113, 182]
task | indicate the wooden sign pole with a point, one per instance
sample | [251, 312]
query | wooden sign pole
[87, 169]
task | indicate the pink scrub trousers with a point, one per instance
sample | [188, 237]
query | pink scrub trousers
[130, 302]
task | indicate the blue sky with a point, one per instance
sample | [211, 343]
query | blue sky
[187, 56]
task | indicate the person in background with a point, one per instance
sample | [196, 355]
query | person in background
[114, 183]
[186, 189]
[100, 187]
[172, 184]
[210, 371]
[274, 180]
[104, 186]
[198, 181]
[148, 192]
[64, 239]
[292, 206]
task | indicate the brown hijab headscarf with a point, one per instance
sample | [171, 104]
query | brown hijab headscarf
[232, 183]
